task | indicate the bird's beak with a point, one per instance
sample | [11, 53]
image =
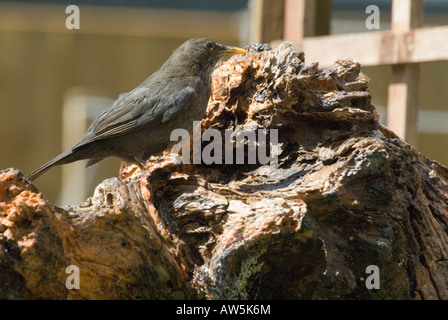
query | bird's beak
[230, 51]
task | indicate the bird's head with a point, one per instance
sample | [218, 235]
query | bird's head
[204, 53]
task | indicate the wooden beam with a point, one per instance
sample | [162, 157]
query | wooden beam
[377, 48]
[402, 104]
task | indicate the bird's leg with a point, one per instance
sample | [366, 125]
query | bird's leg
[140, 162]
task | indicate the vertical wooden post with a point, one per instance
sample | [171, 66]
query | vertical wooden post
[402, 104]
[306, 18]
[267, 19]
[291, 20]
[300, 19]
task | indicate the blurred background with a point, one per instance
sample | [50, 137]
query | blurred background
[55, 81]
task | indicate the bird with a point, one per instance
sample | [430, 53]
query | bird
[139, 123]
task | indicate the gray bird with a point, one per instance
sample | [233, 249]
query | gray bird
[139, 124]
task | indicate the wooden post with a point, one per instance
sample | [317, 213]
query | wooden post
[300, 19]
[291, 20]
[267, 19]
[402, 110]
[306, 19]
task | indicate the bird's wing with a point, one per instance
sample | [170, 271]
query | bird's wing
[179, 102]
[139, 108]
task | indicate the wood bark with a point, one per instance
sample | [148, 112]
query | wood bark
[347, 194]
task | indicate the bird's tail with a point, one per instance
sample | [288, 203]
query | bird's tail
[65, 157]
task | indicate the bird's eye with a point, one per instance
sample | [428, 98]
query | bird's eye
[209, 45]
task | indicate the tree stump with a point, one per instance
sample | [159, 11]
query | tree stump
[346, 194]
